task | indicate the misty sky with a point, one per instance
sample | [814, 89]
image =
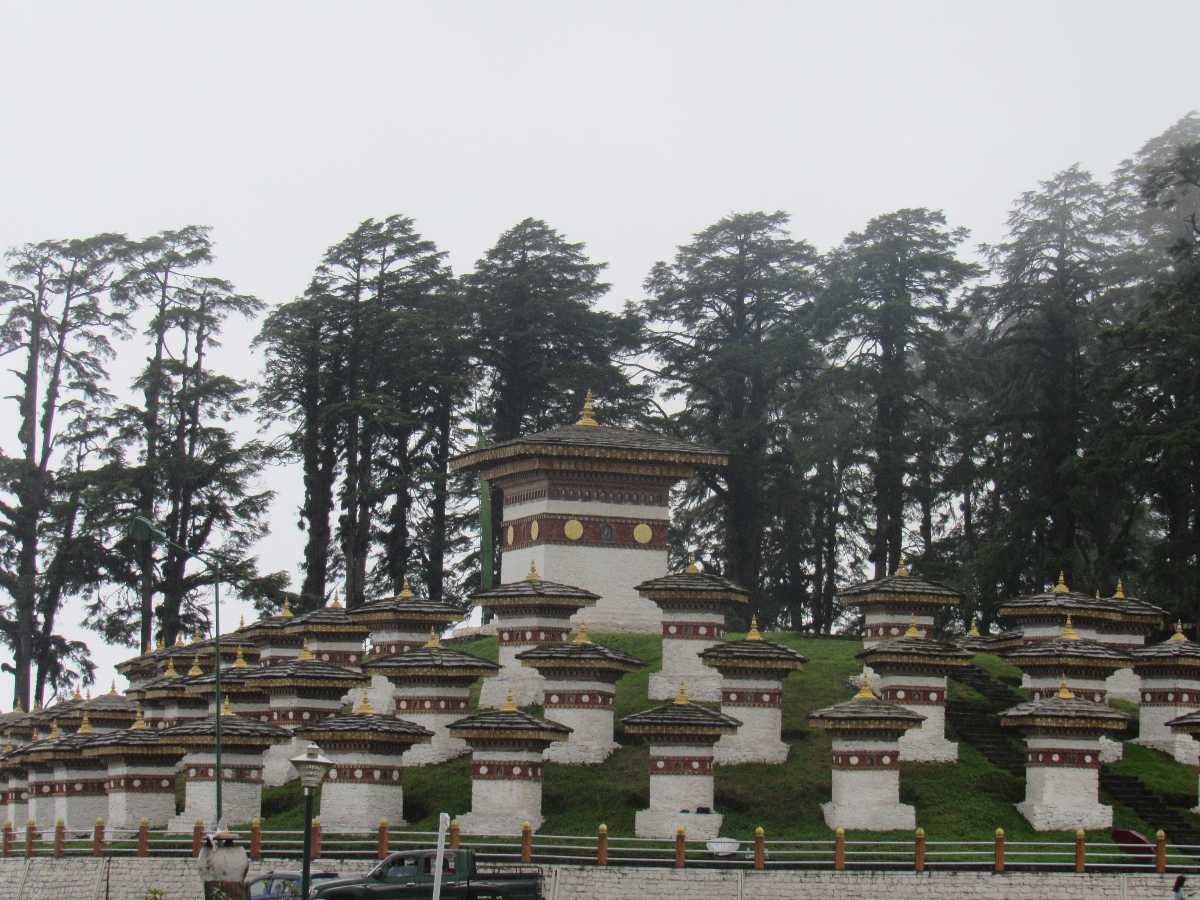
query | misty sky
[625, 125]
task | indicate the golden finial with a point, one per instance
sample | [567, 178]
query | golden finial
[865, 692]
[17, 707]
[179, 640]
[8, 746]
[78, 693]
[195, 670]
[681, 697]
[196, 634]
[1068, 630]
[88, 694]
[112, 689]
[241, 621]
[913, 630]
[581, 635]
[37, 706]
[336, 602]
[305, 654]
[1061, 587]
[55, 731]
[160, 644]
[754, 634]
[364, 706]
[902, 569]
[85, 724]
[692, 568]
[140, 721]
[1064, 693]
[433, 643]
[226, 709]
[508, 705]
[1119, 593]
[533, 573]
[286, 612]
[406, 592]
[1178, 635]
[1097, 594]
[588, 417]
[974, 631]
[170, 672]
[240, 661]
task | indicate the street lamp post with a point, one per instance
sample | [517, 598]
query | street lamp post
[142, 529]
[312, 767]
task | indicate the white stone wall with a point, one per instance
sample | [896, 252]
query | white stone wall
[681, 661]
[413, 704]
[78, 811]
[927, 742]
[758, 739]
[591, 739]
[128, 807]
[1061, 798]
[18, 811]
[1124, 684]
[276, 761]
[40, 808]
[500, 806]
[867, 799]
[671, 795]
[241, 801]
[898, 622]
[350, 805]
[1152, 720]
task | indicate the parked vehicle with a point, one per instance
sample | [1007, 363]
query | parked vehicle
[409, 875]
[283, 885]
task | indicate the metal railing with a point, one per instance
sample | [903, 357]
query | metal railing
[603, 849]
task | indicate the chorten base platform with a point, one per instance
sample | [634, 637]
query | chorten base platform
[868, 816]
[653, 823]
[277, 766]
[629, 614]
[1073, 813]
[1110, 750]
[1183, 748]
[440, 748]
[380, 693]
[579, 753]
[1124, 684]
[920, 745]
[736, 749]
[704, 686]
[527, 686]
[496, 823]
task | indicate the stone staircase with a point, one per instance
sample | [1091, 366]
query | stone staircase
[1150, 807]
[979, 725]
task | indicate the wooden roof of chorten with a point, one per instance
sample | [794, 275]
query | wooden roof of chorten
[580, 653]
[303, 671]
[332, 618]
[137, 740]
[1189, 723]
[1069, 651]
[235, 731]
[865, 712]
[407, 608]
[913, 648]
[431, 660]
[681, 717]
[1061, 601]
[1064, 712]
[1175, 652]
[365, 725]
[752, 653]
[533, 590]
[57, 746]
[691, 586]
[902, 589]
[588, 439]
[508, 724]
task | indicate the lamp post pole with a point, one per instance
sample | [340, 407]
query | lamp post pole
[312, 767]
[142, 529]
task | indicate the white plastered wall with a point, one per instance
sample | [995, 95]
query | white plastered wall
[500, 806]
[1059, 798]
[1152, 720]
[867, 799]
[681, 662]
[352, 806]
[241, 801]
[128, 807]
[758, 739]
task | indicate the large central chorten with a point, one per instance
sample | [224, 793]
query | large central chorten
[590, 504]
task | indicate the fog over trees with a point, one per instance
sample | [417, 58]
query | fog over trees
[990, 414]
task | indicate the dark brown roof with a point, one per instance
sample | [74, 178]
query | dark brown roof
[999, 642]
[1073, 713]
[757, 653]
[581, 654]
[1186, 724]
[868, 714]
[698, 582]
[590, 440]
[680, 718]
[1054, 604]
[1168, 651]
[917, 649]
[1079, 651]
[907, 588]
[417, 609]
[534, 590]
[430, 660]
[509, 724]
[234, 729]
[324, 617]
[65, 746]
[304, 670]
[399, 730]
[146, 740]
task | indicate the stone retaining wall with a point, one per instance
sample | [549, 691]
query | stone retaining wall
[86, 878]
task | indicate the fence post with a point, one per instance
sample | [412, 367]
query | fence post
[197, 837]
[1160, 851]
[919, 851]
[760, 849]
[60, 837]
[98, 838]
[256, 838]
[454, 836]
[839, 850]
[1080, 850]
[999, 850]
[316, 839]
[382, 840]
[602, 845]
[526, 842]
[8, 838]
[680, 847]
[30, 834]
[143, 848]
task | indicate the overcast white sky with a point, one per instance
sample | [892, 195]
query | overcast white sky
[626, 125]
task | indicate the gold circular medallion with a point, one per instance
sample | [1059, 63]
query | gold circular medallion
[642, 533]
[533, 531]
[573, 529]
[510, 536]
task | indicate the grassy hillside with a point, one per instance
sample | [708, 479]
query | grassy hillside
[969, 799]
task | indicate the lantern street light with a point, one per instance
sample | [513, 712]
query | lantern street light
[142, 529]
[312, 767]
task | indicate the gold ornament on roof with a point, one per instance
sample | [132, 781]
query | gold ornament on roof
[692, 568]
[55, 731]
[508, 705]
[78, 693]
[305, 654]
[17, 707]
[139, 721]
[581, 635]
[681, 697]
[974, 631]
[865, 692]
[1119, 593]
[85, 724]
[88, 695]
[588, 417]
[1064, 692]
[433, 643]
[1178, 635]
[902, 569]
[913, 630]
[286, 612]
[179, 640]
[37, 706]
[195, 670]
[533, 572]
[160, 644]
[364, 706]
[240, 661]
[336, 602]
[113, 687]
[1061, 587]
[8, 747]
[241, 621]
[226, 709]
[754, 634]
[1068, 630]
[406, 592]
[169, 671]
[196, 634]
